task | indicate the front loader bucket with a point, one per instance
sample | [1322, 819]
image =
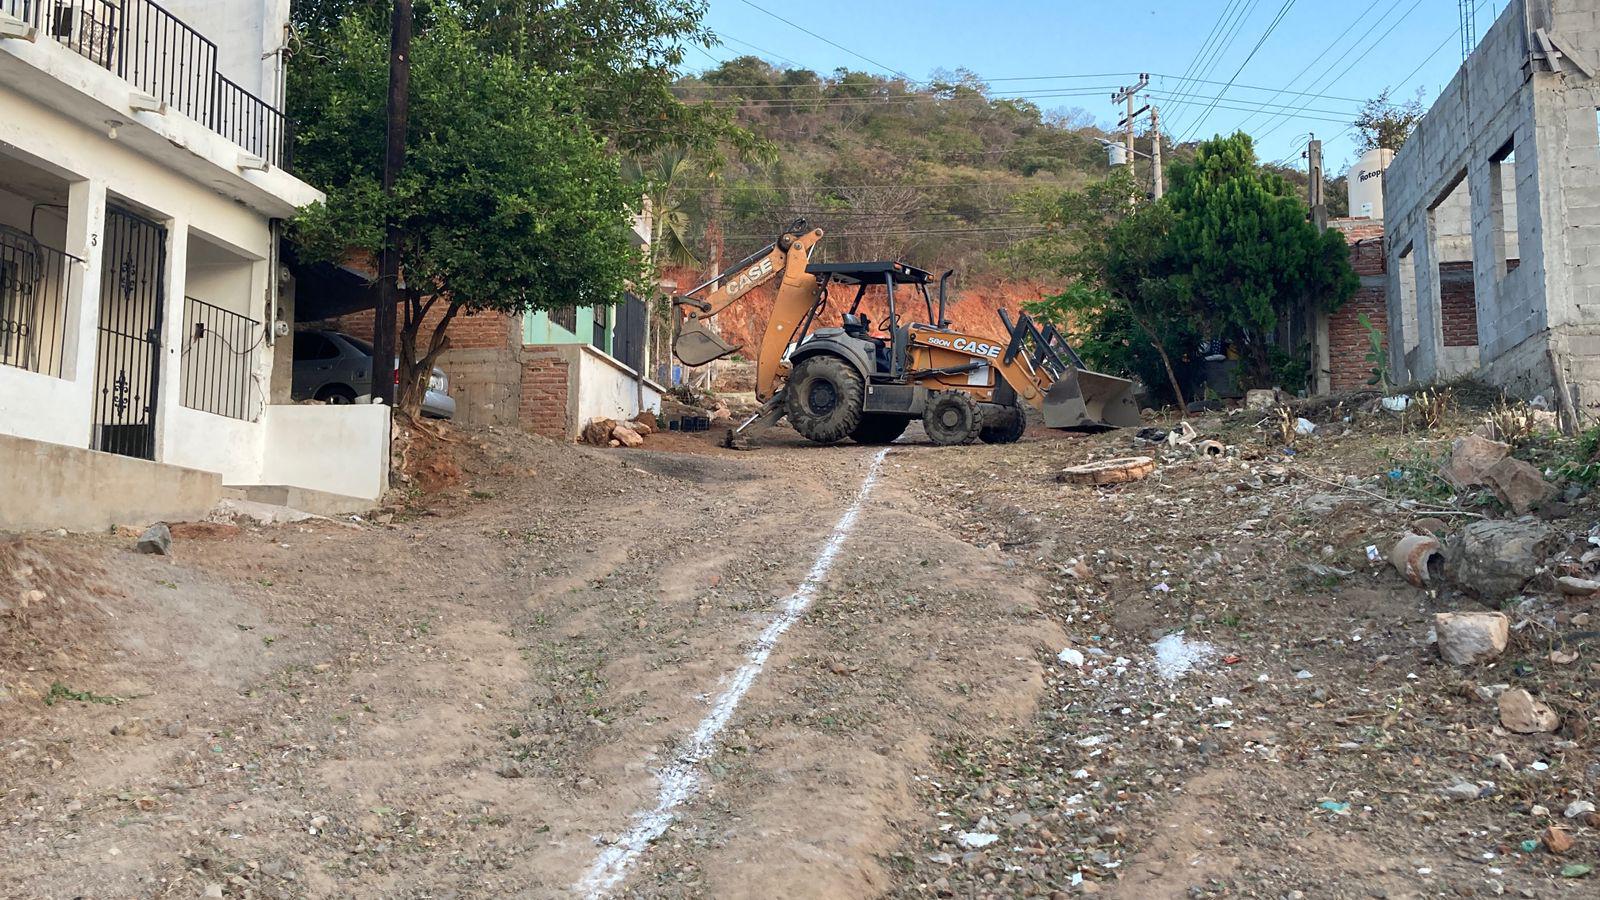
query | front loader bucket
[697, 345]
[1089, 401]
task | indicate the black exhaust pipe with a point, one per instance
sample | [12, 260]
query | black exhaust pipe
[944, 281]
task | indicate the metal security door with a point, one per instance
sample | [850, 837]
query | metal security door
[128, 367]
[627, 338]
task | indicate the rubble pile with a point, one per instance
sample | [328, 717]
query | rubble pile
[1362, 633]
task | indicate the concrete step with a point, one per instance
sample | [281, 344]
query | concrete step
[320, 503]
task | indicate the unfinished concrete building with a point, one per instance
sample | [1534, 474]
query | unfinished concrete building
[1515, 132]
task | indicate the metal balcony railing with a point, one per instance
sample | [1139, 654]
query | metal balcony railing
[34, 296]
[219, 361]
[159, 54]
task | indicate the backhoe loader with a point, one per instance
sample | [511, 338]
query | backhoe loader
[847, 381]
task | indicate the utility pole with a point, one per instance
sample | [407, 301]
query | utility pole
[1126, 95]
[1314, 185]
[394, 159]
[1159, 183]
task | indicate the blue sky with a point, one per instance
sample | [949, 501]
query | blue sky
[1364, 46]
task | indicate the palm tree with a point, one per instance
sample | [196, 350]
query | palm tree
[658, 176]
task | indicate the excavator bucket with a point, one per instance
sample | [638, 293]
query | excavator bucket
[697, 345]
[1078, 400]
[1082, 400]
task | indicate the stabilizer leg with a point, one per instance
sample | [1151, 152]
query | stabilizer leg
[747, 435]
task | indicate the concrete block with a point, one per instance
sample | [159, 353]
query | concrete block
[46, 485]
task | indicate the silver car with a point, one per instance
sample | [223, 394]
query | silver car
[336, 368]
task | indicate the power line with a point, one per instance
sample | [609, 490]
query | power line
[1325, 51]
[1232, 31]
[1271, 27]
[890, 69]
[1216, 27]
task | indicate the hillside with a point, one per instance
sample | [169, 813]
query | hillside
[930, 174]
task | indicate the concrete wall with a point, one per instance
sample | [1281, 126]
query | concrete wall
[335, 449]
[564, 386]
[1521, 131]
[44, 485]
[249, 35]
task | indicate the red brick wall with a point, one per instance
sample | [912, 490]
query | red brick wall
[483, 331]
[543, 408]
[1459, 302]
[1347, 339]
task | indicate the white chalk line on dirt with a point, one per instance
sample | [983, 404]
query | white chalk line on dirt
[681, 779]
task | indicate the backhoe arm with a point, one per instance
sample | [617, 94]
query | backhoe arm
[697, 344]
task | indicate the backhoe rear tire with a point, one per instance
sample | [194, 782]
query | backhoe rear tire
[951, 418]
[879, 429]
[823, 399]
[1006, 427]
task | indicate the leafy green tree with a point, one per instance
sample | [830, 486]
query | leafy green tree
[1384, 123]
[1243, 252]
[507, 201]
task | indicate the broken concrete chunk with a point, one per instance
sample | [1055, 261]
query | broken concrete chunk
[1577, 587]
[1493, 560]
[1418, 559]
[1521, 713]
[1518, 485]
[1260, 399]
[1471, 457]
[156, 539]
[1468, 638]
[627, 436]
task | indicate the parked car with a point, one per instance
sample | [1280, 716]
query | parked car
[336, 368]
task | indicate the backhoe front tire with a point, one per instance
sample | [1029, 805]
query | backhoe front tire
[1006, 426]
[951, 418]
[823, 399]
[879, 429]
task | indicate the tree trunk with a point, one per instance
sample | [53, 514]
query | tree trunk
[1172, 374]
[416, 370]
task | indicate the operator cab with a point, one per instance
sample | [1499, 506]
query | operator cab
[894, 278]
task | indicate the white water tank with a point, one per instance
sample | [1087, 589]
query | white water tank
[1364, 183]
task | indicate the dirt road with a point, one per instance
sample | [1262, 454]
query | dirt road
[689, 673]
[477, 703]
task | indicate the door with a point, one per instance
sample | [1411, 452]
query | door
[627, 339]
[128, 365]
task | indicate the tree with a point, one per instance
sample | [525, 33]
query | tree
[1242, 250]
[1384, 124]
[1122, 306]
[508, 201]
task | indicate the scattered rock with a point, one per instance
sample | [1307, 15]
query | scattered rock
[1260, 399]
[1556, 839]
[1518, 485]
[129, 728]
[1576, 587]
[156, 539]
[627, 436]
[1471, 458]
[1110, 471]
[1577, 809]
[175, 729]
[1468, 638]
[598, 431]
[1521, 713]
[1462, 790]
[213, 890]
[1419, 559]
[1494, 559]
[641, 427]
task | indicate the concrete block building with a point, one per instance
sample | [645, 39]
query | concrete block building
[1498, 188]
[143, 183]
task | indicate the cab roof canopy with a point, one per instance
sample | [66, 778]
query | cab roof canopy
[871, 272]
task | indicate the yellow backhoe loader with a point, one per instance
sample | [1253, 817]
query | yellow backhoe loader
[844, 381]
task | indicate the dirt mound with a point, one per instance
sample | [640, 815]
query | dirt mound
[50, 614]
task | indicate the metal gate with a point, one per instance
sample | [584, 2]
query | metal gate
[128, 367]
[627, 336]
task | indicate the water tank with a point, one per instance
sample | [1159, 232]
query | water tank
[1365, 183]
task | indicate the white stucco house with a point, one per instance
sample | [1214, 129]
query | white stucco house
[143, 309]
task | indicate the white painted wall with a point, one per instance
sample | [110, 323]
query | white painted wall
[232, 448]
[247, 34]
[337, 449]
[608, 389]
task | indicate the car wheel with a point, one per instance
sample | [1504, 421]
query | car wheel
[336, 395]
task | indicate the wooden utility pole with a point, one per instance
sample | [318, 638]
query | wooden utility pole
[1314, 185]
[394, 159]
[1159, 185]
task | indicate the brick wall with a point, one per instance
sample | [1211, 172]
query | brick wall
[483, 331]
[1458, 298]
[1347, 339]
[543, 408]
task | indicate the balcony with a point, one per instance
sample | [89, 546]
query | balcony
[163, 57]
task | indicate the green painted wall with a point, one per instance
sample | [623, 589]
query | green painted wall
[538, 329]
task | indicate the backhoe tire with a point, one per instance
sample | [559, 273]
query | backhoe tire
[879, 429]
[952, 417]
[1006, 427]
[823, 399]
